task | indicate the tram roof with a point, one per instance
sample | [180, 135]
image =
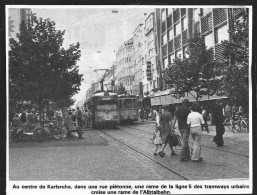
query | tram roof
[103, 93]
[127, 95]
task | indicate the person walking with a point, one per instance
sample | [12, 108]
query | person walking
[157, 117]
[218, 121]
[195, 122]
[157, 140]
[71, 127]
[205, 114]
[86, 118]
[73, 115]
[165, 120]
[79, 117]
[181, 114]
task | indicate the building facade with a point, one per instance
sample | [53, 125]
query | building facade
[150, 66]
[139, 59]
[160, 39]
[125, 65]
[180, 24]
[15, 18]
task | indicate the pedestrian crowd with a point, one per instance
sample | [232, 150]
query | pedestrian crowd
[192, 120]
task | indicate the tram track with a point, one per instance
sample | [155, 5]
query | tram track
[146, 156]
[201, 145]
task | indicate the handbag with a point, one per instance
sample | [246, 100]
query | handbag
[173, 139]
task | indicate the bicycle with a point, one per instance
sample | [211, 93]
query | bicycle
[244, 125]
[231, 124]
[237, 124]
[27, 132]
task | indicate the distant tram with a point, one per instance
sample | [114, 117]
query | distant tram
[104, 109]
[128, 106]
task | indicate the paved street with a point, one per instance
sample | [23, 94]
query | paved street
[101, 157]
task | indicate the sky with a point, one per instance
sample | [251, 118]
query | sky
[99, 31]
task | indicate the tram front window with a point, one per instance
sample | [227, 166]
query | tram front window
[107, 105]
[127, 104]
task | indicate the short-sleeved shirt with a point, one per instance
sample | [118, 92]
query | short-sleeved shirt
[195, 119]
[181, 113]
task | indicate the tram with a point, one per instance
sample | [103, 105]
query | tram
[128, 107]
[104, 108]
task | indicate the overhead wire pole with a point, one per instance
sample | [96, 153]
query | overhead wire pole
[101, 81]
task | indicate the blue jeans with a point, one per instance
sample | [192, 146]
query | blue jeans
[185, 152]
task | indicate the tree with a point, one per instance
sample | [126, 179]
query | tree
[198, 75]
[40, 69]
[236, 65]
[121, 89]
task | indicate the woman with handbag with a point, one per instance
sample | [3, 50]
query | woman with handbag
[195, 122]
[165, 119]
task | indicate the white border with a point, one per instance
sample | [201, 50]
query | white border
[186, 191]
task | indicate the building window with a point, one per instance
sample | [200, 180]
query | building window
[164, 39]
[164, 15]
[169, 10]
[171, 33]
[197, 27]
[185, 54]
[184, 23]
[208, 39]
[207, 23]
[221, 34]
[154, 84]
[172, 58]
[196, 14]
[179, 54]
[165, 63]
[177, 29]
[205, 10]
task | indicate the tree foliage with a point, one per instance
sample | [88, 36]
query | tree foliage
[39, 67]
[236, 65]
[197, 75]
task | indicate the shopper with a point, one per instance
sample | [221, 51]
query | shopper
[181, 114]
[205, 114]
[218, 120]
[79, 117]
[195, 122]
[165, 119]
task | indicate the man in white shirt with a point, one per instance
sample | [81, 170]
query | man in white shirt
[195, 122]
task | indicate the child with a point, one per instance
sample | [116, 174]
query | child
[157, 139]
